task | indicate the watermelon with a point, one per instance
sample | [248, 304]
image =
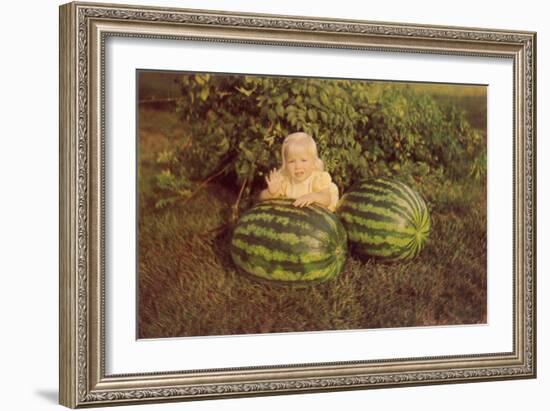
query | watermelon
[275, 240]
[385, 218]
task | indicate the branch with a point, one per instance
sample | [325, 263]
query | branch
[235, 207]
[205, 182]
[159, 100]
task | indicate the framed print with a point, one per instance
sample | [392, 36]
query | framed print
[260, 204]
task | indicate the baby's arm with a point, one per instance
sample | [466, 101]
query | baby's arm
[324, 192]
[266, 195]
[321, 197]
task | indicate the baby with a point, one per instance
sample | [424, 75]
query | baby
[301, 176]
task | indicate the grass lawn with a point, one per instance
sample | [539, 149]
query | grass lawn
[187, 285]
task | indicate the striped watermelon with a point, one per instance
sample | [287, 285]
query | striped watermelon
[385, 218]
[277, 241]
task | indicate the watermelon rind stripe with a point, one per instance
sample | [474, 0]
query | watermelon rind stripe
[383, 250]
[327, 273]
[419, 201]
[260, 260]
[397, 188]
[272, 250]
[416, 203]
[276, 241]
[383, 195]
[326, 216]
[282, 271]
[274, 273]
[414, 197]
[342, 237]
[282, 208]
[284, 239]
[374, 221]
[385, 218]
[388, 200]
[279, 220]
[379, 211]
[402, 191]
[380, 237]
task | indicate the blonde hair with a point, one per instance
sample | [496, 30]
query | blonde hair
[307, 141]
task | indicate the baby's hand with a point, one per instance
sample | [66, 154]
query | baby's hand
[274, 182]
[305, 200]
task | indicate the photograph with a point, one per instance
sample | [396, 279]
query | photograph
[258, 204]
[276, 204]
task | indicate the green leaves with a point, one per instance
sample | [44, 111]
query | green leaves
[361, 129]
[244, 91]
[205, 92]
[177, 188]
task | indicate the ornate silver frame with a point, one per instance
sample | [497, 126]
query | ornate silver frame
[83, 30]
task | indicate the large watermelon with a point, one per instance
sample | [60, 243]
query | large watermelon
[277, 241]
[385, 218]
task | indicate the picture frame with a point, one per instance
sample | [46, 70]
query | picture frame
[86, 255]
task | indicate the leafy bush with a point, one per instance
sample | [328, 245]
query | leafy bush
[236, 124]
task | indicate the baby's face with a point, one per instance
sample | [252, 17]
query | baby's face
[299, 163]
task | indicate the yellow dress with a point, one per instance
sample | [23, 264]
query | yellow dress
[317, 181]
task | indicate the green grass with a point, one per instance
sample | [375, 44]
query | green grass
[189, 287]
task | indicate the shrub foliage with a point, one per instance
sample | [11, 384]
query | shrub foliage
[235, 126]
